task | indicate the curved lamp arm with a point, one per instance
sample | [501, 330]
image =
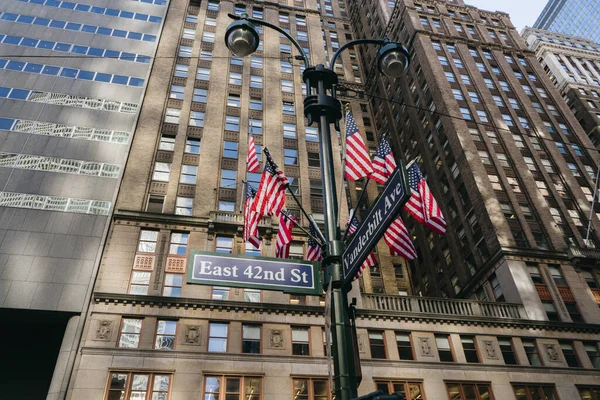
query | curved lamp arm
[278, 29]
[355, 42]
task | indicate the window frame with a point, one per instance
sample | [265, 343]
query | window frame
[208, 336]
[292, 339]
[260, 346]
[128, 389]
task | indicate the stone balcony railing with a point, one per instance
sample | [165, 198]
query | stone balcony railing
[453, 307]
[235, 218]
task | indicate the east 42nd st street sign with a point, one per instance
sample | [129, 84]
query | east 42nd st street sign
[290, 276]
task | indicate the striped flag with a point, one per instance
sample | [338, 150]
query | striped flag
[270, 196]
[358, 162]
[384, 163]
[252, 163]
[399, 241]
[421, 204]
[370, 261]
[313, 252]
[284, 235]
[251, 218]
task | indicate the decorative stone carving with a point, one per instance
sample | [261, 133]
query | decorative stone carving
[425, 347]
[104, 330]
[361, 344]
[192, 334]
[552, 352]
[277, 339]
[490, 350]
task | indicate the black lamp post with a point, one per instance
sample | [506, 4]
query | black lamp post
[320, 105]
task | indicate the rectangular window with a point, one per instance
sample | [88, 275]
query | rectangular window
[300, 341]
[192, 145]
[217, 337]
[589, 392]
[255, 126]
[287, 86]
[138, 385]
[165, 335]
[232, 124]
[176, 92]
[404, 390]
[289, 131]
[531, 351]
[569, 353]
[534, 392]
[377, 344]
[200, 95]
[228, 178]
[188, 174]
[196, 119]
[290, 156]
[178, 243]
[403, 341]
[469, 391]
[161, 172]
[256, 104]
[235, 79]
[288, 108]
[256, 81]
[172, 115]
[183, 206]
[129, 337]
[470, 349]
[507, 350]
[256, 62]
[551, 310]
[173, 282]
[224, 244]
[181, 70]
[230, 149]
[233, 100]
[232, 388]
[591, 348]
[311, 134]
[252, 295]
[219, 293]
[444, 348]
[203, 74]
[251, 339]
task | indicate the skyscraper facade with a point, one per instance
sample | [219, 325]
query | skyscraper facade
[573, 64]
[571, 17]
[151, 333]
[72, 78]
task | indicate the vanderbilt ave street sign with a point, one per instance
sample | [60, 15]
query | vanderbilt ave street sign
[300, 277]
[381, 215]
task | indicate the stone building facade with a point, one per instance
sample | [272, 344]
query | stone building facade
[573, 64]
[150, 334]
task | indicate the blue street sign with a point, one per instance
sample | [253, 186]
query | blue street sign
[381, 215]
[290, 276]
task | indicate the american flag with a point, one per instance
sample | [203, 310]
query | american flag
[422, 204]
[398, 240]
[253, 165]
[358, 162]
[270, 197]
[284, 235]
[370, 261]
[313, 252]
[383, 162]
[251, 218]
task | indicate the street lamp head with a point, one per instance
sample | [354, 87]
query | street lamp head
[241, 38]
[392, 60]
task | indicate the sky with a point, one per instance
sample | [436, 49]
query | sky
[522, 12]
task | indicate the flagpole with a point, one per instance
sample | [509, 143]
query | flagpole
[301, 228]
[360, 198]
[587, 235]
[343, 164]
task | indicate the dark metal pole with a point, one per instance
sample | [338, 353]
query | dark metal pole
[343, 360]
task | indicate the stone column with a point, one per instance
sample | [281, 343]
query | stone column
[66, 357]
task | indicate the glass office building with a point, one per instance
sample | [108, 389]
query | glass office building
[572, 17]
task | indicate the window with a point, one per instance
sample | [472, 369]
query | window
[457, 94]
[181, 70]
[203, 74]
[234, 78]
[589, 393]
[186, 51]
[200, 95]
[550, 310]
[403, 341]
[377, 344]
[220, 293]
[251, 339]
[470, 349]
[224, 244]
[230, 149]
[569, 353]
[531, 351]
[255, 126]
[289, 131]
[256, 81]
[167, 142]
[213, 5]
[287, 86]
[172, 115]
[138, 385]
[534, 392]
[155, 203]
[256, 62]
[161, 171]
[469, 391]
[192, 145]
[591, 348]
[227, 206]
[217, 337]
[252, 295]
[285, 48]
[588, 275]
[300, 342]
[507, 350]
[183, 206]
[129, 337]
[196, 119]
[288, 108]
[405, 390]
[205, 55]
[188, 174]
[233, 100]
[165, 335]
[228, 178]
[232, 388]
[534, 273]
[311, 389]
[232, 124]
[444, 348]
[311, 134]
[176, 92]
[290, 156]
[557, 276]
